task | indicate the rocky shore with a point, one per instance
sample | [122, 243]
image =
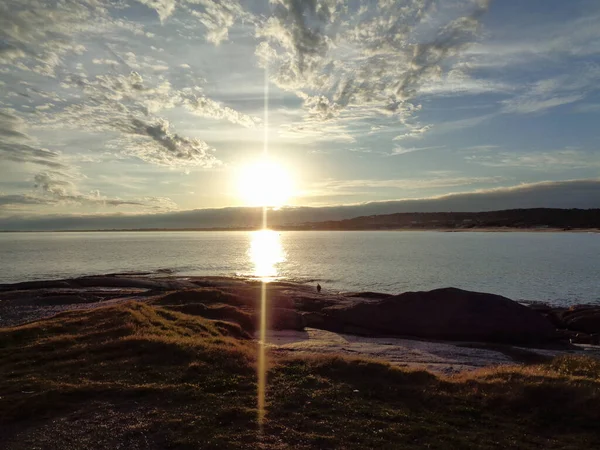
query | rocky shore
[446, 329]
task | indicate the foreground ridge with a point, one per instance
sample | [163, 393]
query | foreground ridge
[142, 376]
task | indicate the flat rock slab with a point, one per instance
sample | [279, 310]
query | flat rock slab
[440, 357]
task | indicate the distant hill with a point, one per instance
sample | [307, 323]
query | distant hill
[512, 218]
[243, 219]
[582, 194]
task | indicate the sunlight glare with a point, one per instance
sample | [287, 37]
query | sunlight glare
[265, 183]
[266, 253]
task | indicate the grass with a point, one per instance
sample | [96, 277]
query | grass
[142, 376]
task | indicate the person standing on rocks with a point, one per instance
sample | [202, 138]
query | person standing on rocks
[318, 287]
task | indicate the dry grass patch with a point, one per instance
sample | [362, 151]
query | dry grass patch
[143, 376]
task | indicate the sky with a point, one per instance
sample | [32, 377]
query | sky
[156, 108]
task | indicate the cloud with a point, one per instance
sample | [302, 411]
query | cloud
[540, 43]
[548, 194]
[164, 8]
[23, 153]
[298, 27]
[461, 124]
[371, 60]
[407, 184]
[527, 104]
[587, 108]
[482, 148]
[317, 131]
[44, 37]
[17, 146]
[543, 161]
[414, 132]
[165, 147]
[12, 127]
[58, 188]
[37, 36]
[128, 104]
[34, 32]
[347, 62]
[404, 150]
[458, 82]
[552, 92]
[57, 184]
[218, 17]
[449, 41]
[10, 200]
[321, 108]
[107, 62]
[52, 183]
[205, 107]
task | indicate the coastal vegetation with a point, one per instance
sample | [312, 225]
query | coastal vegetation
[139, 375]
[522, 219]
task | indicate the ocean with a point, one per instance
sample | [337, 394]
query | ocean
[559, 268]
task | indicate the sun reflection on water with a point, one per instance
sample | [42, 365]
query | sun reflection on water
[266, 253]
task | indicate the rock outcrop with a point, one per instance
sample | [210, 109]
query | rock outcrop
[583, 318]
[448, 313]
[445, 314]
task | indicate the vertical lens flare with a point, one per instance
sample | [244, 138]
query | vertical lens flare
[266, 252]
[262, 357]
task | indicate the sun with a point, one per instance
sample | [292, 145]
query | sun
[265, 183]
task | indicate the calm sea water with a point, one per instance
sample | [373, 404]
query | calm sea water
[563, 268]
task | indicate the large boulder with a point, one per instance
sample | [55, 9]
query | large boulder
[584, 318]
[448, 313]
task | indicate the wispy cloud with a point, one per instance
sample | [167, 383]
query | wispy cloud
[17, 146]
[127, 104]
[405, 150]
[43, 38]
[549, 93]
[587, 108]
[414, 132]
[404, 184]
[58, 188]
[57, 184]
[522, 45]
[541, 160]
[218, 17]
[458, 82]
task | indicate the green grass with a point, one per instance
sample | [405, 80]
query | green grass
[142, 376]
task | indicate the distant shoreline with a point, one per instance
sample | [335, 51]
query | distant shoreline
[532, 219]
[276, 228]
